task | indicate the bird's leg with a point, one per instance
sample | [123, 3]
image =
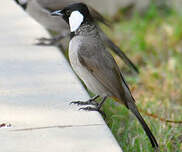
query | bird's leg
[89, 102]
[50, 41]
[97, 107]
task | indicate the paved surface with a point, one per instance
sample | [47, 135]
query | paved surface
[36, 86]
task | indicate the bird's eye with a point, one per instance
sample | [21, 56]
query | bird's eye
[67, 12]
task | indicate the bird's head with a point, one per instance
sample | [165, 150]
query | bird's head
[75, 15]
[22, 3]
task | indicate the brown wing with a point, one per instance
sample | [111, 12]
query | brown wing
[117, 50]
[102, 66]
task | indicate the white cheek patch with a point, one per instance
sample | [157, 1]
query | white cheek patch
[23, 1]
[75, 20]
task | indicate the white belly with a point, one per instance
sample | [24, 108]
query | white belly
[90, 81]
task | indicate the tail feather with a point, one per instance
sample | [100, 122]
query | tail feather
[98, 17]
[133, 108]
[117, 50]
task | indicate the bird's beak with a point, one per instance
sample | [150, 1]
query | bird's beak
[57, 13]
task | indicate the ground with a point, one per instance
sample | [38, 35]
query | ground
[154, 42]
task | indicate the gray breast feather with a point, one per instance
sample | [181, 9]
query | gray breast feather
[89, 80]
[89, 58]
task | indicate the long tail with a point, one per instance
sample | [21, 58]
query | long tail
[117, 50]
[131, 105]
[129, 101]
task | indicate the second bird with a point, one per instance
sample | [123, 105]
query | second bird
[40, 10]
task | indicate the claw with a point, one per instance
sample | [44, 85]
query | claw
[92, 102]
[94, 109]
[89, 102]
[46, 41]
[51, 41]
[76, 102]
[80, 109]
[88, 109]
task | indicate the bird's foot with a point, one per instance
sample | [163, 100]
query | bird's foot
[51, 41]
[92, 102]
[96, 108]
[89, 102]
[46, 41]
[82, 103]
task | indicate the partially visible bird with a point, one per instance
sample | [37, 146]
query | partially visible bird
[40, 10]
[95, 65]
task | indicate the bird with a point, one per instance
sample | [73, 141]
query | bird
[94, 64]
[40, 10]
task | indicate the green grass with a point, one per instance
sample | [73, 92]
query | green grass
[154, 42]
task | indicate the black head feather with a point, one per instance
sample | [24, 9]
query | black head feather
[81, 7]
